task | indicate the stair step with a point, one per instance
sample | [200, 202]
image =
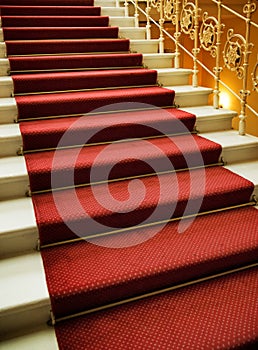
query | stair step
[173, 76]
[1, 35]
[39, 338]
[102, 3]
[132, 33]
[186, 95]
[10, 139]
[144, 46]
[8, 110]
[211, 119]
[4, 67]
[14, 180]
[112, 11]
[158, 60]
[121, 21]
[6, 86]
[19, 235]
[24, 296]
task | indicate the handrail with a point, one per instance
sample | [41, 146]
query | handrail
[236, 52]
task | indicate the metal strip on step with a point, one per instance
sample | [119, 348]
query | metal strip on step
[70, 53]
[54, 320]
[151, 224]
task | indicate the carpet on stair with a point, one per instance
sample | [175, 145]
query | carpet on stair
[55, 21]
[44, 134]
[62, 81]
[136, 158]
[86, 275]
[85, 211]
[217, 314]
[38, 33]
[38, 47]
[69, 62]
[50, 10]
[43, 106]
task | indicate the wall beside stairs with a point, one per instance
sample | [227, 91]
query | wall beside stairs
[228, 77]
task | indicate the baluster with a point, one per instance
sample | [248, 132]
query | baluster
[117, 3]
[161, 23]
[196, 48]
[249, 8]
[136, 14]
[177, 34]
[148, 25]
[126, 5]
[218, 69]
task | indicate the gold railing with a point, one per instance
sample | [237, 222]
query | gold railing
[229, 50]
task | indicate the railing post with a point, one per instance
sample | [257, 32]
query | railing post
[249, 8]
[148, 25]
[177, 33]
[161, 23]
[218, 69]
[196, 48]
[136, 14]
[126, 5]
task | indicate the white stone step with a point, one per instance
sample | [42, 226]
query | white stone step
[14, 180]
[132, 33]
[145, 46]
[1, 35]
[211, 119]
[10, 140]
[41, 338]
[248, 170]
[158, 60]
[121, 21]
[112, 11]
[6, 86]
[110, 3]
[8, 110]
[24, 296]
[2, 50]
[18, 229]
[235, 148]
[4, 66]
[173, 76]
[186, 95]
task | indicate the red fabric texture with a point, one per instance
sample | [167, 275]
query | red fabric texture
[63, 81]
[21, 47]
[50, 10]
[219, 314]
[110, 127]
[65, 62]
[36, 33]
[177, 150]
[54, 21]
[40, 106]
[177, 189]
[102, 275]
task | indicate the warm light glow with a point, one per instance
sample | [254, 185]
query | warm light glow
[224, 100]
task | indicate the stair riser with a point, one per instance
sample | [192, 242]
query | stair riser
[6, 87]
[9, 146]
[1, 35]
[112, 11]
[169, 79]
[144, 47]
[22, 320]
[105, 3]
[15, 188]
[162, 62]
[8, 111]
[15, 243]
[132, 33]
[2, 50]
[121, 21]
[215, 124]
[185, 100]
[240, 154]
[4, 67]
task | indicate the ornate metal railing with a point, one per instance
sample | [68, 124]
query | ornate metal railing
[207, 33]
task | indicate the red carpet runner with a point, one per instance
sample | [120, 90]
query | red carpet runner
[105, 238]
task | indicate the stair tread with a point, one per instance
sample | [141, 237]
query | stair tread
[18, 275]
[181, 89]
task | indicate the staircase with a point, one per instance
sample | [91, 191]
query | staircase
[73, 81]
